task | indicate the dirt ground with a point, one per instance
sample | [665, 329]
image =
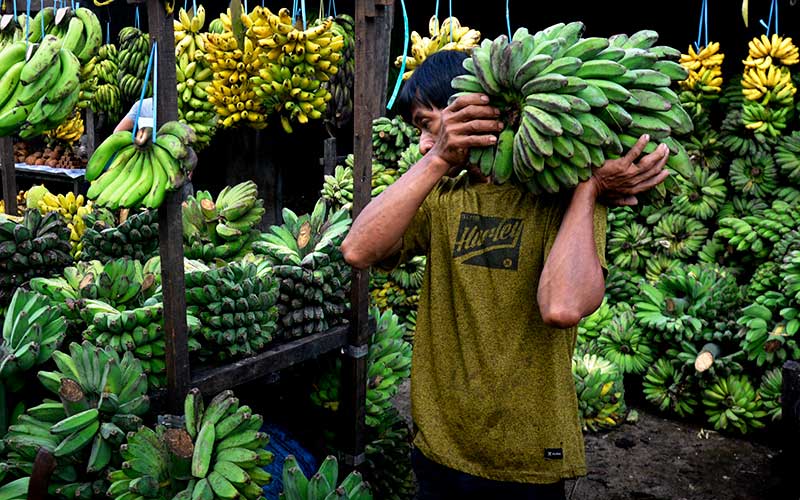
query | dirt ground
[660, 459]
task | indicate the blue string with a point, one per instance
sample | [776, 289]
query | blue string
[27, 22]
[15, 9]
[303, 9]
[405, 51]
[194, 7]
[772, 9]
[703, 23]
[436, 12]
[451, 19]
[508, 21]
[294, 10]
[155, 88]
[144, 89]
[184, 4]
[136, 18]
[331, 8]
[245, 7]
[108, 32]
[42, 27]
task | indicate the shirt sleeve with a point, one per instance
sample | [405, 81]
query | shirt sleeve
[147, 109]
[416, 239]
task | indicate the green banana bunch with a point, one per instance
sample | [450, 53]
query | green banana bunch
[337, 189]
[37, 246]
[88, 85]
[740, 206]
[79, 29]
[408, 158]
[134, 53]
[787, 156]
[621, 284]
[630, 246]
[235, 306]
[194, 76]
[107, 98]
[294, 64]
[221, 229]
[598, 384]
[399, 289]
[740, 141]
[130, 174]
[324, 484]
[387, 469]
[658, 265]
[228, 453]
[15, 490]
[136, 237]
[696, 361]
[65, 292]
[766, 336]
[313, 275]
[11, 30]
[388, 364]
[390, 138]
[704, 146]
[38, 93]
[769, 393]
[155, 465]
[340, 85]
[102, 396]
[569, 103]
[758, 235]
[669, 389]
[32, 330]
[701, 194]
[731, 402]
[679, 236]
[623, 343]
[765, 278]
[590, 327]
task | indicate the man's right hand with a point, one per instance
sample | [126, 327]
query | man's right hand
[469, 122]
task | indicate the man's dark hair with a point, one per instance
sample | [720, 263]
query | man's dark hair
[429, 85]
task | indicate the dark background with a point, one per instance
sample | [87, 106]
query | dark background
[287, 167]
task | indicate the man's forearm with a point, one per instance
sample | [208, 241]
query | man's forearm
[379, 228]
[571, 285]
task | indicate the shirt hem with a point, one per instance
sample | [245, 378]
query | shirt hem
[529, 477]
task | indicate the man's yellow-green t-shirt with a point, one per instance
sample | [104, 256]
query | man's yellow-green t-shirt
[492, 391]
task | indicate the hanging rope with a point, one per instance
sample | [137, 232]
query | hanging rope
[27, 22]
[773, 9]
[136, 18]
[451, 19]
[303, 9]
[405, 51]
[508, 21]
[141, 96]
[702, 28]
[108, 32]
[155, 88]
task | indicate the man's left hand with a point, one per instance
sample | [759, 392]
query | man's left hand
[619, 181]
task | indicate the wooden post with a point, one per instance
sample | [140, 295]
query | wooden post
[373, 27]
[89, 127]
[9, 174]
[790, 398]
[170, 224]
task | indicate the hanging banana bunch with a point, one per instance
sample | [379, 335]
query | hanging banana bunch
[70, 131]
[767, 84]
[295, 64]
[89, 80]
[340, 107]
[231, 91]
[194, 76]
[463, 39]
[134, 49]
[107, 98]
[704, 83]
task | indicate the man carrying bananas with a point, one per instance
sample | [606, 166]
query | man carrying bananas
[509, 276]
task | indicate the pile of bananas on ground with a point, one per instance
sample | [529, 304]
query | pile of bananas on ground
[137, 173]
[70, 131]
[236, 309]
[231, 91]
[767, 84]
[32, 329]
[570, 102]
[295, 64]
[132, 58]
[323, 484]
[73, 209]
[314, 278]
[194, 76]
[340, 85]
[221, 229]
[107, 98]
[390, 138]
[36, 246]
[449, 35]
[705, 77]
[100, 397]
[39, 93]
[136, 237]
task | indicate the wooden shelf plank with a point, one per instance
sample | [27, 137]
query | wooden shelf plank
[216, 379]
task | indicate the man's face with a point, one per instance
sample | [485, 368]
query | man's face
[428, 121]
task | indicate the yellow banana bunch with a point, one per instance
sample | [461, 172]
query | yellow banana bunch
[70, 131]
[194, 76]
[73, 209]
[294, 64]
[772, 85]
[463, 39]
[231, 91]
[705, 68]
[765, 51]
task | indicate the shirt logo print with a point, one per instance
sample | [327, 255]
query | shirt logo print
[491, 242]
